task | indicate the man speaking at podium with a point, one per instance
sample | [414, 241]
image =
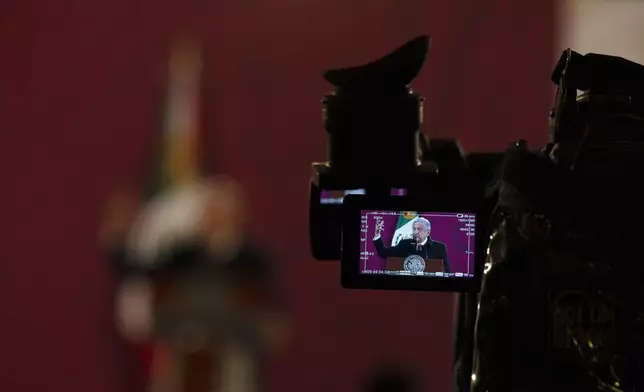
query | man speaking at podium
[420, 244]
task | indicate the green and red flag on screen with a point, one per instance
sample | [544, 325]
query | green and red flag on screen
[404, 228]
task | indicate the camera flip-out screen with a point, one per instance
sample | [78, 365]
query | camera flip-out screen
[405, 245]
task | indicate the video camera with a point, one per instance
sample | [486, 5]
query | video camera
[543, 244]
[562, 289]
[383, 175]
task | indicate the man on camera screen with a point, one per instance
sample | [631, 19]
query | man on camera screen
[420, 244]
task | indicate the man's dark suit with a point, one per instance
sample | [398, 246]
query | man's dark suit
[431, 250]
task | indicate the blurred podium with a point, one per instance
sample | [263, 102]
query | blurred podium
[398, 264]
[208, 321]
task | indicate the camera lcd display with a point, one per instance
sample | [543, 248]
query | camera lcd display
[337, 196]
[411, 243]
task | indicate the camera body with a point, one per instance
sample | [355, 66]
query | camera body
[375, 149]
[562, 288]
[555, 300]
[373, 144]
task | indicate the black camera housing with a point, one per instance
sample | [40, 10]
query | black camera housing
[372, 119]
[374, 146]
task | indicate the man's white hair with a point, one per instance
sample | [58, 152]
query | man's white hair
[425, 223]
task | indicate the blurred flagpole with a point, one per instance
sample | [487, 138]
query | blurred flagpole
[179, 155]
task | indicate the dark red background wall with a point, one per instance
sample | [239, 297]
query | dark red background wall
[79, 105]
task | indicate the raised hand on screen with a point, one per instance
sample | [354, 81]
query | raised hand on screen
[380, 226]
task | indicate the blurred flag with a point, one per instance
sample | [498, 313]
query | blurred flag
[177, 156]
[404, 228]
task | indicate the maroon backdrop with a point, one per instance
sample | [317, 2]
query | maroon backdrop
[79, 94]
